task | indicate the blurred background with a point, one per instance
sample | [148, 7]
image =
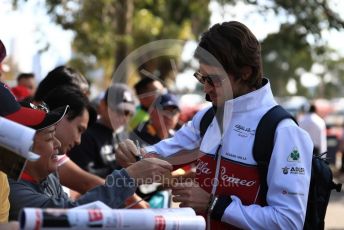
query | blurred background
[302, 48]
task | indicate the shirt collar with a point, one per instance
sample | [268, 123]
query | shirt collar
[27, 177]
[258, 98]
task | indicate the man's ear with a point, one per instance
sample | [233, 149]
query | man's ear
[246, 72]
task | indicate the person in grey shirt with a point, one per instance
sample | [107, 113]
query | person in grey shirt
[39, 185]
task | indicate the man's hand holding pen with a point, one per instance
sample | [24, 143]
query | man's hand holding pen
[128, 153]
[139, 155]
[141, 168]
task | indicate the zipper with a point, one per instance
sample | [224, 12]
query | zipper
[216, 181]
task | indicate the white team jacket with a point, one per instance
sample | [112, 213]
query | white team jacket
[289, 170]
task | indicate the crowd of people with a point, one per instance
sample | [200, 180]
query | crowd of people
[66, 123]
[84, 147]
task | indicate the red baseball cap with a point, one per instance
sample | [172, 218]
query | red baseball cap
[32, 117]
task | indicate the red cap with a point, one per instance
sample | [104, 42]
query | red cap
[31, 117]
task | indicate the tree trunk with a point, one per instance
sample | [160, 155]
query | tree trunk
[125, 11]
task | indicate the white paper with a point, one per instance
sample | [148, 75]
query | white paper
[123, 219]
[17, 138]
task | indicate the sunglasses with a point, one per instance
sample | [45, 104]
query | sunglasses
[211, 79]
[42, 106]
[126, 113]
[2, 51]
[169, 110]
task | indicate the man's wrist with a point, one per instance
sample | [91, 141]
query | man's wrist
[131, 173]
[125, 178]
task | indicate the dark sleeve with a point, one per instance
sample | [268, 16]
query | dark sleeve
[24, 195]
[84, 153]
[118, 187]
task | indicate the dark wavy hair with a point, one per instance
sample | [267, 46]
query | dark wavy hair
[72, 96]
[233, 46]
[61, 75]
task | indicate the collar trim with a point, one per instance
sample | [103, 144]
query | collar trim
[27, 177]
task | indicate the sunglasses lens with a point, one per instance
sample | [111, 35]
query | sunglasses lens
[199, 77]
[43, 106]
[170, 111]
[127, 113]
[213, 80]
[208, 80]
[175, 111]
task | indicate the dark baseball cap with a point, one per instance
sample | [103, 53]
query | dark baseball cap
[166, 100]
[36, 116]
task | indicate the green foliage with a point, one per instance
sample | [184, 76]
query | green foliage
[106, 30]
[95, 24]
[299, 43]
[283, 53]
[333, 74]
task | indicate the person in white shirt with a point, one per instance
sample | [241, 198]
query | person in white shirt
[227, 184]
[316, 128]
